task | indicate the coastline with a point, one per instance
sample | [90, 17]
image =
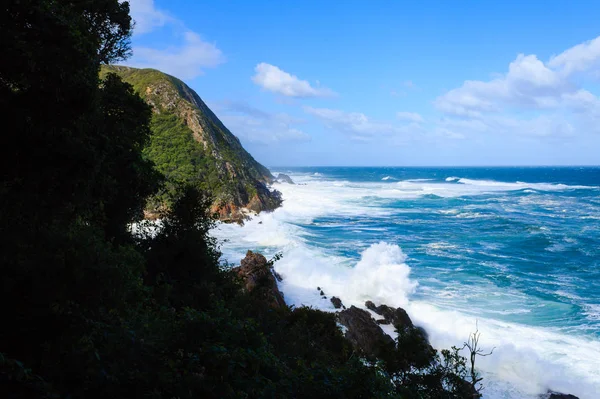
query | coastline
[283, 230]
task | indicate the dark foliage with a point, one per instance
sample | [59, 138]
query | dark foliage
[90, 309]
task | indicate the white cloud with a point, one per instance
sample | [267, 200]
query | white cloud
[349, 122]
[273, 79]
[146, 16]
[541, 126]
[185, 61]
[528, 83]
[409, 116]
[549, 96]
[257, 126]
[359, 126]
[580, 58]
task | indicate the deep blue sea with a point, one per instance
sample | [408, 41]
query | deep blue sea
[515, 251]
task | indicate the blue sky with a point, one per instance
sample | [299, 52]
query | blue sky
[388, 82]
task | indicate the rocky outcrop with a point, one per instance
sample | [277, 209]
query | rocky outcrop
[337, 302]
[363, 332]
[283, 178]
[258, 279]
[237, 182]
[557, 395]
[394, 316]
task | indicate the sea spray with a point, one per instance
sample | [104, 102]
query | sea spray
[331, 228]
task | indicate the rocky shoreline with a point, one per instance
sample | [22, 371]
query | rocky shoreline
[361, 327]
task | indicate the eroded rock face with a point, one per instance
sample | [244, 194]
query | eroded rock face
[245, 182]
[363, 332]
[258, 279]
[394, 316]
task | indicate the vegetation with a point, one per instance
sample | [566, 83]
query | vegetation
[90, 309]
[190, 144]
[180, 158]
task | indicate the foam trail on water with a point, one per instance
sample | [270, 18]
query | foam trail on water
[527, 360]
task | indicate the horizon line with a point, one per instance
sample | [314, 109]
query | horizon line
[436, 166]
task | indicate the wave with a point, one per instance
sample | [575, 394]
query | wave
[527, 361]
[522, 185]
[389, 178]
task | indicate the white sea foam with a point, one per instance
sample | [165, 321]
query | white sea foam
[388, 178]
[521, 185]
[527, 360]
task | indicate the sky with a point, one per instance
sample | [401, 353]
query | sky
[388, 83]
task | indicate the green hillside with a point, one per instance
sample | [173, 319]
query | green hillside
[190, 144]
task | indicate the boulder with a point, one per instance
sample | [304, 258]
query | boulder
[363, 332]
[283, 178]
[258, 279]
[394, 316]
[337, 302]
[557, 395]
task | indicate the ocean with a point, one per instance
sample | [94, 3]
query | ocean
[515, 251]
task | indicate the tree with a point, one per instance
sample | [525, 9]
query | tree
[472, 345]
[72, 179]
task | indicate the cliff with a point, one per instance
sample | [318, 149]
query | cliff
[190, 144]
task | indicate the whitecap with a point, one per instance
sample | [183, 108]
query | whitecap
[528, 360]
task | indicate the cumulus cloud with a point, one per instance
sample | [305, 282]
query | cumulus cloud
[146, 16]
[186, 58]
[548, 92]
[580, 58]
[185, 61]
[273, 79]
[257, 126]
[528, 83]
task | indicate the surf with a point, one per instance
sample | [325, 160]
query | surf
[528, 359]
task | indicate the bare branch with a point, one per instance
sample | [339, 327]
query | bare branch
[472, 344]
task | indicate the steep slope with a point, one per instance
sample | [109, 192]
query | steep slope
[190, 144]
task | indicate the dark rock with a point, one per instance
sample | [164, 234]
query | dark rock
[322, 293]
[258, 279]
[423, 333]
[395, 316]
[318, 288]
[371, 306]
[363, 333]
[337, 302]
[382, 321]
[283, 178]
[557, 395]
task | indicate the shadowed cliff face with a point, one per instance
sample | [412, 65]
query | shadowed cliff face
[191, 144]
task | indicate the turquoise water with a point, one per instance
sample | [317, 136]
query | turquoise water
[516, 250]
